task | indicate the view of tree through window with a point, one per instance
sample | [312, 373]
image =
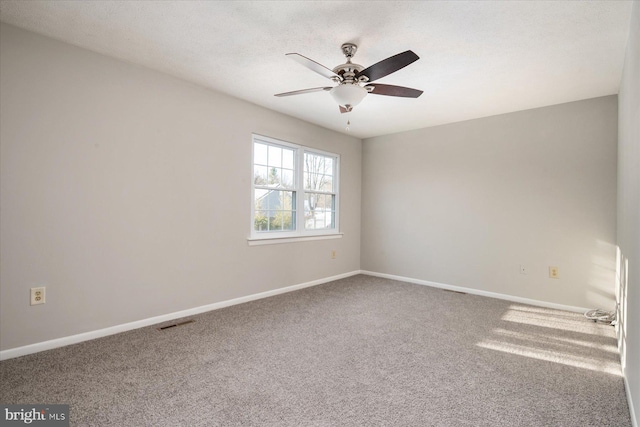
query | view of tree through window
[319, 206]
[294, 188]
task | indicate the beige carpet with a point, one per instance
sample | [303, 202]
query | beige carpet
[354, 352]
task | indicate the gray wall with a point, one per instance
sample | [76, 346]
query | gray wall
[466, 204]
[126, 193]
[629, 211]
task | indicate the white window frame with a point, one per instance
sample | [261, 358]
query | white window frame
[300, 233]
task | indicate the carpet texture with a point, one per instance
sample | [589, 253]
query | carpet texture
[354, 352]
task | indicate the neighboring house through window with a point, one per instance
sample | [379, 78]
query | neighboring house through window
[295, 190]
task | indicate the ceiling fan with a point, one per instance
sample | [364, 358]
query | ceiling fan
[355, 81]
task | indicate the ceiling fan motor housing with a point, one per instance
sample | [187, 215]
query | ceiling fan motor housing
[348, 70]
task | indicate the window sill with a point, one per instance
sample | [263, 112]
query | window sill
[256, 241]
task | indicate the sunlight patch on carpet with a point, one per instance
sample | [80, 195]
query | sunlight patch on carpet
[568, 359]
[550, 318]
[542, 334]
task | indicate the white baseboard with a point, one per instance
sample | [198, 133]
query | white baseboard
[478, 292]
[86, 336]
[632, 412]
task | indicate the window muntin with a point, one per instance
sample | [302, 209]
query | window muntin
[294, 190]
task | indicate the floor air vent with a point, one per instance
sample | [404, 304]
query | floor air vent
[173, 325]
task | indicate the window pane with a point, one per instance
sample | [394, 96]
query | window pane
[274, 177]
[287, 200]
[307, 181]
[287, 220]
[318, 211]
[274, 223]
[287, 178]
[328, 166]
[318, 173]
[259, 154]
[322, 202]
[317, 163]
[260, 221]
[274, 210]
[327, 183]
[260, 175]
[281, 220]
[272, 200]
[280, 200]
[317, 182]
[313, 181]
[287, 159]
[275, 156]
[259, 199]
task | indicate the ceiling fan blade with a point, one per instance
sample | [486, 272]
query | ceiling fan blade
[313, 65]
[298, 92]
[391, 90]
[388, 66]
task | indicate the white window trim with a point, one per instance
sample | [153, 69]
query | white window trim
[300, 234]
[278, 240]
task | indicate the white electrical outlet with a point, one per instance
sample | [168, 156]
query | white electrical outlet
[523, 269]
[554, 272]
[38, 295]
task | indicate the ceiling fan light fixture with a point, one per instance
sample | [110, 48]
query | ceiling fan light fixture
[348, 94]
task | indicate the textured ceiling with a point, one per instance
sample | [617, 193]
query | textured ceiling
[476, 58]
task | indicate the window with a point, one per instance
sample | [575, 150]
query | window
[294, 190]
